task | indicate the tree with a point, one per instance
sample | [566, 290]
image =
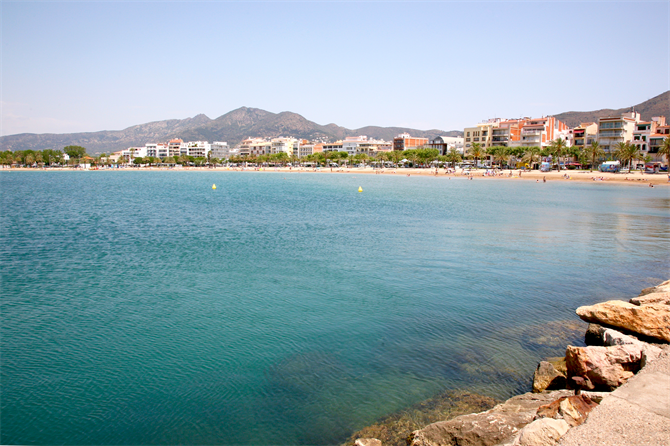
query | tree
[75, 151]
[530, 154]
[453, 156]
[665, 151]
[626, 152]
[557, 150]
[29, 159]
[593, 152]
[427, 155]
[476, 152]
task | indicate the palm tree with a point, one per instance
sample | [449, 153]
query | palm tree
[557, 149]
[453, 156]
[593, 151]
[529, 156]
[476, 152]
[665, 150]
[625, 151]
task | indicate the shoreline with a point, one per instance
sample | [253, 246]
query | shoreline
[633, 178]
[623, 393]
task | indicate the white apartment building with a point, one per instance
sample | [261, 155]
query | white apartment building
[283, 145]
[134, 152]
[615, 129]
[220, 150]
[197, 149]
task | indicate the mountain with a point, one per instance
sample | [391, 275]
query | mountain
[103, 141]
[232, 127]
[656, 106]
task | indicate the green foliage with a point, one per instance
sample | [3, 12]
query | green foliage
[75, 151]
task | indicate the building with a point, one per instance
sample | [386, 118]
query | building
[285, 145]
[540, 132]
[445, 143]
[616, 129]
[355, 145]
[174, 147]
[196, 149]
[405, 142]
[482, 134]
[220, 150]
[337, 146]
[134, 152]
[583, 135]
[507, 133]
[244, 149]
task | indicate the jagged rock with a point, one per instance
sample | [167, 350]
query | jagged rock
[654, 298]
[367, 442]
[489, 428]
[594, 335]
[542, 432]
[573, 409]
[547, 377]
[649, 320]
[605, 367]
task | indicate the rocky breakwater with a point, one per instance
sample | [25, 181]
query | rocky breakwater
[622, 338]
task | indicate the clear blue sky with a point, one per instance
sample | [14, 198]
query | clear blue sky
[89, 66]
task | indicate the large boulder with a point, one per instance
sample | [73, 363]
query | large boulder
[542, 432]
[548, 377]
[649, 320]
[498, 425]
[605, 368]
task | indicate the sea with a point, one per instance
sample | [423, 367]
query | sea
[148, 308]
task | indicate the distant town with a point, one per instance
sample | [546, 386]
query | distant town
[512, 143]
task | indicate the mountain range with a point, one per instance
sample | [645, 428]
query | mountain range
[245, 122]
[232, 127]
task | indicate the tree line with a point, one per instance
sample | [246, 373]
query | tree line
[500, 156]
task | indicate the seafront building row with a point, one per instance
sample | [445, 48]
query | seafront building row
[298, 148]
[609, 131]
[628, 127]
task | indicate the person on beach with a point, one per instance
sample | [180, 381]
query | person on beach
[544, 179]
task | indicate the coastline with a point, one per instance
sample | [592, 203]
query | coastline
[594, 395]
[634, 178]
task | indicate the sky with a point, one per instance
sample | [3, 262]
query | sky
[82, 66]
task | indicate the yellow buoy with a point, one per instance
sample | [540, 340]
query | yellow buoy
[360, 189]
[214, 186]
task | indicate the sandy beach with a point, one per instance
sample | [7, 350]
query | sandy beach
[634, 178]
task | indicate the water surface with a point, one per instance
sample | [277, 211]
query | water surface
[147, 308]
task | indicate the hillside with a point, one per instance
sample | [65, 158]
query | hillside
[232, 127]
[656, 106]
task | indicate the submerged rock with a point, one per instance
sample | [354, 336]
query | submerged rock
[367, 442]
[649, 320]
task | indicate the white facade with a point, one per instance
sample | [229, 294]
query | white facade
[134, 152]
[220, 150]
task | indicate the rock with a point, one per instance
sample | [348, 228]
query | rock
[546, 377]
[594, 335]
[665, 286]
[654, 298]
[649, 320]
[367, 442]
[605, 367]
[495, 426]
[573, 409]
[612, 337]
[542, 432]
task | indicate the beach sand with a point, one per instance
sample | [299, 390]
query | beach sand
[595, 177]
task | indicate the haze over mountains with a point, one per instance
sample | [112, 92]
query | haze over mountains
[245, 122]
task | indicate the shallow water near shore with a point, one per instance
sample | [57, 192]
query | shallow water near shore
[147, 308]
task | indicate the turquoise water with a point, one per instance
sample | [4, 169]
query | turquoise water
[147, 308]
